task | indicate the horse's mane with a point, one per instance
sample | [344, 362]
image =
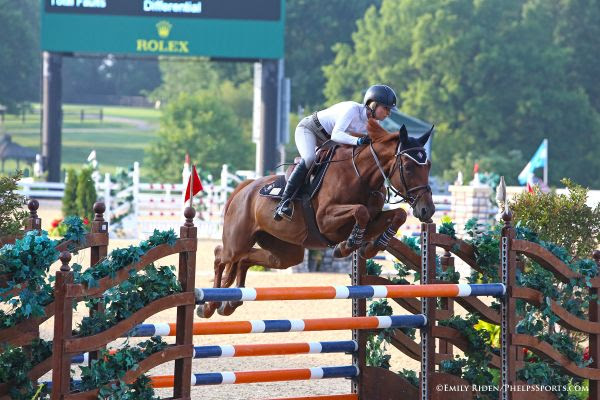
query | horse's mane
[377, 133]
[236, 190]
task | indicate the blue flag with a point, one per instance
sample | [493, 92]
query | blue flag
[539, 160]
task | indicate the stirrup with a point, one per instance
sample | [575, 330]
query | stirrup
[279, 213]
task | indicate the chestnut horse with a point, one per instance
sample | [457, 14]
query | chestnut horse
[348, 210]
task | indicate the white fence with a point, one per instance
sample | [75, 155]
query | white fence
[138, 208]
[135, 209]
[160, 205]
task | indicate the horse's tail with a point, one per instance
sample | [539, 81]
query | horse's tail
[235, 191]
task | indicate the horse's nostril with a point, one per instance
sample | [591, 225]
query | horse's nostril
[423, 211]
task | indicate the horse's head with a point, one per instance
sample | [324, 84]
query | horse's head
[409, 168]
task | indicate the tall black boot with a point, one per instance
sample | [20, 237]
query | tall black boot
[285, 208]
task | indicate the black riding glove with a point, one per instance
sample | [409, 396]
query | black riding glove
[363, 140]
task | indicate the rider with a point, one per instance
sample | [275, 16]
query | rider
[335, 123]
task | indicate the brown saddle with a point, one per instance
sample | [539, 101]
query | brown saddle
[314, 238]
[313, 181]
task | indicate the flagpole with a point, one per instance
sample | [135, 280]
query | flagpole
[546, 164]
[192, 185]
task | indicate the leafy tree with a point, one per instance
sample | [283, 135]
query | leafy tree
[108, 76]
[465, 65]
[310, 33]
[69, 200]
[184, 77]
[562, 219]
[578, 27]
[204, 127]
[238, 73]
[20, 61]
[507, 165]
[11, 205]
[86, 194]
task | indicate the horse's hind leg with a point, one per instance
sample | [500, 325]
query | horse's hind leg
[228, 307]
[280, 255]
[207, 309]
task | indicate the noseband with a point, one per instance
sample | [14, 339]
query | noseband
[409, 195]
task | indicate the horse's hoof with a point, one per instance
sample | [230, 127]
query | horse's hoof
[337, 253]
[228, 307]
[225, 309]
[203, 311]
[197, 296]
[368, 251]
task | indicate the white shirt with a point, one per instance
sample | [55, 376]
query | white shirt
[344, 117]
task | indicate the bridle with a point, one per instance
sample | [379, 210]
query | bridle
[409, 195]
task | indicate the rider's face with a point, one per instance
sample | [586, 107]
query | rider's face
[382, 112]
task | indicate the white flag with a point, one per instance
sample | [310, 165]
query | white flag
[92, 156]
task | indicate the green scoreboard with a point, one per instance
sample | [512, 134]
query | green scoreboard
[246, 29]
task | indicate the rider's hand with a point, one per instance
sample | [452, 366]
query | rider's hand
[363, 140]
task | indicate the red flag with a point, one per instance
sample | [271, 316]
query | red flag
[196, 184]
[529, 188]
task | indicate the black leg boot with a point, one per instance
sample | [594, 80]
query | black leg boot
[285, 207]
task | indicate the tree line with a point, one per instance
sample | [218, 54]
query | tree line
[495, 77]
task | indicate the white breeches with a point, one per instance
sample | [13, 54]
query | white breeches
[306, 141]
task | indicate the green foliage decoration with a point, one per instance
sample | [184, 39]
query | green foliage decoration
[76, 230]
[447, 227]
[472, 367]
[376, 352]
[120, 258]
[28, 260]
[373, 268]
[541, 373]
[130, 296]
[25, 265]
[539, 322]
[487, 256]
[410, 376]
[402, 273]
[110, 367]
[413, 243]
[402, 270]
[16, 362]
[376, 344]
[493, 332]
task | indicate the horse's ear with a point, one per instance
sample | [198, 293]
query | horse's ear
[423, 139]
[403, 134]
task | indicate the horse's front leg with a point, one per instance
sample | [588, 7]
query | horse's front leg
[355, 240]
[383, 228]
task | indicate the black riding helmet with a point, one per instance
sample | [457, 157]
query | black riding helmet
[382, 94]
